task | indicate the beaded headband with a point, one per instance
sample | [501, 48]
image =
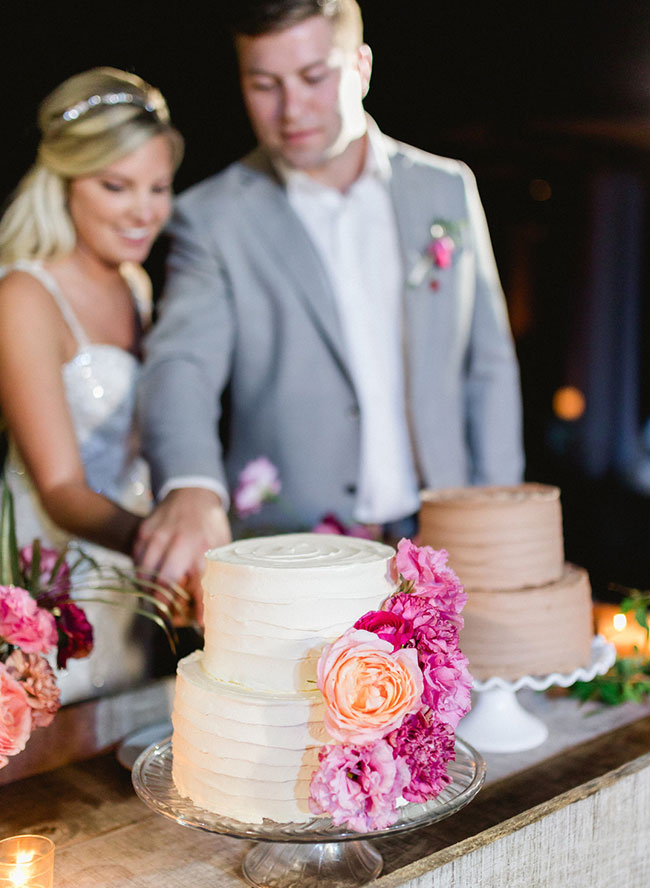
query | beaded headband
[112, 98]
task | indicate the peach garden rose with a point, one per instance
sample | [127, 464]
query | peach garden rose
[368, 687]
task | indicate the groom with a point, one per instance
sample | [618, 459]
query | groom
[335, 296]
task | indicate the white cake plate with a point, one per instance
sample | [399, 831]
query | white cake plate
[498, 723]
[304, 855]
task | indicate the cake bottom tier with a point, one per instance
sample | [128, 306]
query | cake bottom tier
[534, 631]
[244, 754]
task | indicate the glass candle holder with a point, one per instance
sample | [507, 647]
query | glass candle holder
[26, 862]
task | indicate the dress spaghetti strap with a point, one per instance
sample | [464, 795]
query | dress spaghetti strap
[49, 282]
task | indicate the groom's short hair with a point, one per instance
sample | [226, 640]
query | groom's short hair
[255, 17]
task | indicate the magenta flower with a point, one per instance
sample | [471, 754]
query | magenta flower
[258, 482]
[425, 745]
[23, 623]
[330, 523]
[389, 626]
[75, 634]
[442, 250]
[359, 785]
[427, 570]
[447, 685]
[52, 585]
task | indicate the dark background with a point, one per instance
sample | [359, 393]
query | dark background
[548, 102]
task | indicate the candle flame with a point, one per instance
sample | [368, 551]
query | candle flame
[21, 873]
[620, 622]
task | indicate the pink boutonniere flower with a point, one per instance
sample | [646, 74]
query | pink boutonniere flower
[258, 482]
[439, 252]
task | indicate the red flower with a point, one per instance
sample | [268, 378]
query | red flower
[75, 633]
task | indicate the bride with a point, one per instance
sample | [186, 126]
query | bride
[74, 303]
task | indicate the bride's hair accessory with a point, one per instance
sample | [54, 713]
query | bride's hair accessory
[152, 103]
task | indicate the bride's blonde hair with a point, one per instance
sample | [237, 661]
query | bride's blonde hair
[88, 122]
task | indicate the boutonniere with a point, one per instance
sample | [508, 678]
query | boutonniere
[446, 238]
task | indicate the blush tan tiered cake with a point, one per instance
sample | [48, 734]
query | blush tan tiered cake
[248, 716]
[527, 612]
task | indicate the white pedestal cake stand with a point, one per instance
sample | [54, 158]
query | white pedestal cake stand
[307, 854]
[498, 723]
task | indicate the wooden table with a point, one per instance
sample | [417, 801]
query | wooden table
[573, 817]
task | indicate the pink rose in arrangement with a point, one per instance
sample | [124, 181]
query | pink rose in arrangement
[24, 623]
[258, 482]
[425, 745]
[15, 716]
[55, 585]
[36, 677]
[75, 634]
[368, 687]
[359, 785]
[389, 626]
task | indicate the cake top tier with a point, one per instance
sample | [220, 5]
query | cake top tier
[301, 551]
[494, 496]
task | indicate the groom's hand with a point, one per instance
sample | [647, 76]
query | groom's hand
[171, 543]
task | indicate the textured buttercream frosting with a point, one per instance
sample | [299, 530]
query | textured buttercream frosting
[271, 603]
[248, 716]
[497, 537]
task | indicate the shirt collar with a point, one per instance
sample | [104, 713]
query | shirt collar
[377, 165]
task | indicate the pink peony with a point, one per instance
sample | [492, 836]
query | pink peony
[24, 623]
[75, 634]
[359, 785]
[427, 570]
[258, 482]
[442, 250]
[52, 585]
[15, 716]
[425, 746]
[368, 687]
[36, 677]
[389, 626]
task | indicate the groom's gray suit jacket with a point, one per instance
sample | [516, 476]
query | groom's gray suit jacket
[249, 309]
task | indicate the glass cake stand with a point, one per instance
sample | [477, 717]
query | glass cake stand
[304, 854]
[498, 723]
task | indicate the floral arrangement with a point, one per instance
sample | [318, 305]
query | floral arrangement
[446, 238]
[41, 624]
[395, 687]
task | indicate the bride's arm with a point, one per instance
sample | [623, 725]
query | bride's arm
[33, 344]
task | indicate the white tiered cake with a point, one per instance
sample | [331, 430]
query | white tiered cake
[248, 717]
[527, 612]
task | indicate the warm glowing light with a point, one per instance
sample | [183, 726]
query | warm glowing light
[540, 189]
[22, 872]
[620, 622]
[568, 403]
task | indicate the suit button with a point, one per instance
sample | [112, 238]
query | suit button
[351, 489]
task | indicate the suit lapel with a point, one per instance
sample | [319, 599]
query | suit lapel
[279, 232]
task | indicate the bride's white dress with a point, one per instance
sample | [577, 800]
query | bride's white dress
[100, 388]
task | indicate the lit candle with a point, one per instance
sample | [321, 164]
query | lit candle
[26, 862]
[622, 630]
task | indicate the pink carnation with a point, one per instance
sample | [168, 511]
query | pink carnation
[359, 785]
[427, 570]
[426, 746]
[389, 626]
[36, 677]
[53, 585]
[447, 685]
[368, 687]
[258, 482]
[442, 250]
[15, 716]
[24, 623]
